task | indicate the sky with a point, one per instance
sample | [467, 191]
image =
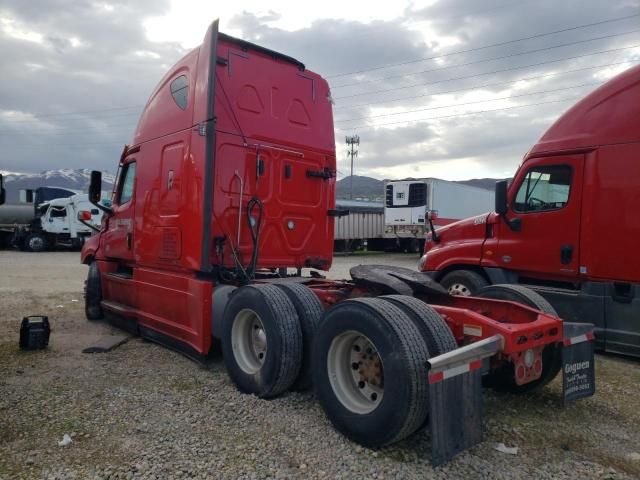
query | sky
[454, 89]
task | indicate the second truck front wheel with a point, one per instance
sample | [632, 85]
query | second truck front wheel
[36, 243]
[463, 282]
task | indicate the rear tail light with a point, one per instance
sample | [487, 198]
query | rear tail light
[84, 215]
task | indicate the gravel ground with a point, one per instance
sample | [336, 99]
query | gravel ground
[142, 411]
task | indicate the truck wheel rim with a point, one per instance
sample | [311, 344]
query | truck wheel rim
[35, 243]
[249, 341]
[459, 289]
[356, 372]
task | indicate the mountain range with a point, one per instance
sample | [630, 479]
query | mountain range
[73, 179]
[372, 189]
[78, 179]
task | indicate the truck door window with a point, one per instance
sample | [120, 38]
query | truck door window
[58, 212]
[128, 176]
[544, 188]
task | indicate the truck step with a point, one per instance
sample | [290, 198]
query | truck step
[118, 308]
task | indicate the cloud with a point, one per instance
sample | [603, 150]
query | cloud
[435, 112]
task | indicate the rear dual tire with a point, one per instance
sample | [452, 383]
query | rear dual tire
[310, 311]
[370, 372]
[261, 340]
[368, 356]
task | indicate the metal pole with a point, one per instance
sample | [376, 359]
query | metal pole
[353, 141]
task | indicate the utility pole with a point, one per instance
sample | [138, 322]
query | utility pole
[354, 141]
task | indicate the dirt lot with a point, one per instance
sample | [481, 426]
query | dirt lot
[142, 411]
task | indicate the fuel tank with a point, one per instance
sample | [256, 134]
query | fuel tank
[16, 213]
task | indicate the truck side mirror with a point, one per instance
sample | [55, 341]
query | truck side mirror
[95, 187]
[501, 197]
[3, 192]
[95, 192]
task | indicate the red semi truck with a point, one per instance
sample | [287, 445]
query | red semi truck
[568, 224]
[226, 193]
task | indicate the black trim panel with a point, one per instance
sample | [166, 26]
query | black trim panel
[210, 153]
[171, 343]
[258, 48]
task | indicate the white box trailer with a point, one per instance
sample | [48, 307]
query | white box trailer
[408, 201]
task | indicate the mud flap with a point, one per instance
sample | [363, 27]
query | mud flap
[578, 368]
[455, 398]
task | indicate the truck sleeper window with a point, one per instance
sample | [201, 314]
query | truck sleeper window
[128, 181]
[544, 188]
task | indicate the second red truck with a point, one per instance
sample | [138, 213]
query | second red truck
[568, 224]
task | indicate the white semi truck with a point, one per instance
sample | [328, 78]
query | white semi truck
[47, 222]
[408, 202]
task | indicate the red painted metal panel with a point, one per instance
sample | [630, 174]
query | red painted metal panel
[607, 116]
[175, 305]
[610, 228]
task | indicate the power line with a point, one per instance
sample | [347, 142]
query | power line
[502, 57]
[542, 92]
[75, 145]
[19, 122]
[373, 29]
[487, 73]
[420, 120]
[67, 129]
[475, 49]
[477, 87]
[82, 112]
[73, 130]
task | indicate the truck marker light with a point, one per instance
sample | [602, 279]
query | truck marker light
[529, 357]
[472, 330]
[586, 337]
[454, 371]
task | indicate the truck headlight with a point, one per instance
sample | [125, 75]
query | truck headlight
[422, 262]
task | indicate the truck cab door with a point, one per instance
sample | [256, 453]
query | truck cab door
[118, 239]
[539, 236]
[56, 220]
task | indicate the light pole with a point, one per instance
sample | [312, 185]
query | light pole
[354, 141]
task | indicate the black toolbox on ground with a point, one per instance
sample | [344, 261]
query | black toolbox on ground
[34, 332]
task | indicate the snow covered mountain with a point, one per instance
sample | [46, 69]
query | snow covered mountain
[74, 179]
